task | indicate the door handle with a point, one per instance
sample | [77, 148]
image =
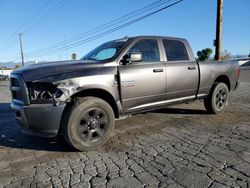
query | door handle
[157, 70]
[191, 68]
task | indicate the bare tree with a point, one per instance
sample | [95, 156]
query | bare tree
[226, 55]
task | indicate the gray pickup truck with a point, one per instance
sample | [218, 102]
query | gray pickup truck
[81, 99]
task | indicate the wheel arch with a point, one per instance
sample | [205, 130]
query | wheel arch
[99, 93]
[224, 79]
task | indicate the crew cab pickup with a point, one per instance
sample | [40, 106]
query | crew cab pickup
[81, 99]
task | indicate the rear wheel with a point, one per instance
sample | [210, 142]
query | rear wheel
[217, 99]
[88, 123]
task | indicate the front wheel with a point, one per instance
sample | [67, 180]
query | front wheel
[88, 123]
[217, 99]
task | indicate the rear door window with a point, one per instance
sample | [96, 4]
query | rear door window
[175, 50]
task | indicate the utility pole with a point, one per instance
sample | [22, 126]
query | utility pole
[21, 47]
[218, 30]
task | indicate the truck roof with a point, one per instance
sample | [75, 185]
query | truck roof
[155, 36]
[151, 36]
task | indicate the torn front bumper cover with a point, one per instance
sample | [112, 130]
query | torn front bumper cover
[39, 119]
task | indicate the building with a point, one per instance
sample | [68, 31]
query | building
[5, 72]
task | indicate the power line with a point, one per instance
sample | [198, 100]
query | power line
[7, 46]
[23, 25]
[93, 37]
[108, 31]
[34, 15]
[49, 13]
[104, 26]
[7, 57]
[15, 59]
[43, 18]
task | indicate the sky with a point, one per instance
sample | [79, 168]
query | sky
[46, 22]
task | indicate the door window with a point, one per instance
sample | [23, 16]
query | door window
[175, 50]
[148, 48]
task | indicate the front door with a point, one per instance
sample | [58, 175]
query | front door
[143, 84]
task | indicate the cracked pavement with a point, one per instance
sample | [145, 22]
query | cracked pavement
[180, 146]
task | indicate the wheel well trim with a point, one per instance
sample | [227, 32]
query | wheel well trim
[102, 94]
[224, 79]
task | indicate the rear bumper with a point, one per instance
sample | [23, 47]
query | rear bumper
[39, 119]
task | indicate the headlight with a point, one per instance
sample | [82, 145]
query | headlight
[41, 92]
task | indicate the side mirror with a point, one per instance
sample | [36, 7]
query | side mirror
[135, 57]
[132, 57]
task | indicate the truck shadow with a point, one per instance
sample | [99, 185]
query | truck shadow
[11, 136]
[179, 111]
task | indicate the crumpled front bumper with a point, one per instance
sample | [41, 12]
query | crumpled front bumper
[39, 119]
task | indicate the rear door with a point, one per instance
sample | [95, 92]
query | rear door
[182, 72]
[142, 84]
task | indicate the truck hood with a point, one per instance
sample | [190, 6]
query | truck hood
[55, 69]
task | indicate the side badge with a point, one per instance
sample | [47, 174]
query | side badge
[128, 83]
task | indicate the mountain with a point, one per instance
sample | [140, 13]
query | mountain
[8, 64]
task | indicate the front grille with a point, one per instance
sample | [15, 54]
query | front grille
[18, 90]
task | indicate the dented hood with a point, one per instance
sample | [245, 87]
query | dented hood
[56, 69]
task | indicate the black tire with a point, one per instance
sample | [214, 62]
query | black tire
[217, 99]
[88, 123]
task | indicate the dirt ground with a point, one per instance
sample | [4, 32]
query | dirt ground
[180, 146]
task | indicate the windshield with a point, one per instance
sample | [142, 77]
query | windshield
[105, 51]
